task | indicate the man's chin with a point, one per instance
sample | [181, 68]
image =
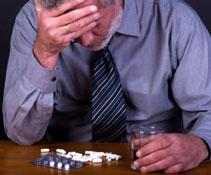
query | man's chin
[95, 46]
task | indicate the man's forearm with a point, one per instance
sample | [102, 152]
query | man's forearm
[26, 116]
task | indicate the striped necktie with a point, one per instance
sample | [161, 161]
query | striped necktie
[108, 105]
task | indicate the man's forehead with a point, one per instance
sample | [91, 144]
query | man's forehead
[88, 2]
[55, 3]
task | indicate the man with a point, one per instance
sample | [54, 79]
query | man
[162, 54]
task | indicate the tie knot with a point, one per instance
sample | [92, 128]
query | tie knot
[103, 54]
[105, 50]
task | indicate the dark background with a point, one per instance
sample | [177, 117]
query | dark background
[10, 8]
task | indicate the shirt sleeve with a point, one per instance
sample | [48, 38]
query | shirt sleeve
[191, 84]
[29, 87]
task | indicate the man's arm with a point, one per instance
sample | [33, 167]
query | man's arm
[28, 95]
[60, 25]
[31, 73]
[191, 89]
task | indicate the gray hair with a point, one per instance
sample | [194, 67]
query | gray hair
[54, 3]
[106, 3]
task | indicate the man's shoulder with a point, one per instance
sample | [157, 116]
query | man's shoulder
[180, 8]
[174, 8]
[28, 10]
[27, 17]
[26, 22]
[173, 4]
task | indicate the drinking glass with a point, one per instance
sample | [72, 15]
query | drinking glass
[138, 132]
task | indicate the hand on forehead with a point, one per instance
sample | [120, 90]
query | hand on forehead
[88, 2]
[59, 7]
[55, 3]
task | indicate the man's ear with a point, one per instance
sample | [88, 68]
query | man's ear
[38, 7]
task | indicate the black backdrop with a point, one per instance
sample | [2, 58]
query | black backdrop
[8, 11]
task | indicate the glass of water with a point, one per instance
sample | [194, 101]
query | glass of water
[138, 132]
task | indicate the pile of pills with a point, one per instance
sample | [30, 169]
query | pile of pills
[88, 156]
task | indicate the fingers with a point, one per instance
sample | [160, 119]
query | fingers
[169, 164]
[66, 23]
[158, 162]
[78, 33]
[175, 169]
[171, 153]
[146, 140]
[61, 9]
[77, 25]
[67, 6]
[153, 144]
[66, 36]
[60, 25]
[152, 158]
[77, 14]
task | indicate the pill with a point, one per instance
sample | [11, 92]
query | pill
[44, 150]
[89, 152]
[59, 164]
[62, 151]
[71, 153]
[62, 155]
[67, 156]
[118, 157]
[78, 154]
[97, 160]
[66, 166]
[83, 159]
[52, 163]
[109, 159]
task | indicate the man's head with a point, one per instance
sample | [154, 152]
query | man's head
[98, 37]
[55, 3]
[110, 12]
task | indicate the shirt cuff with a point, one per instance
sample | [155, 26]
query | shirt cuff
[40, 77]
[206, 140]
[208, 149]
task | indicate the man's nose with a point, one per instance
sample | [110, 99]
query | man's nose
[86, 38]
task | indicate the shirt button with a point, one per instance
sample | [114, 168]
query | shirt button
[53, 79]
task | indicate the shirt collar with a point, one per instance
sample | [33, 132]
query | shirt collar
[129, 24]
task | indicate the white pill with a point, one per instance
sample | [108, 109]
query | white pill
[89, 158]
[78, 154]
[118, 157]
[89, 152]
[52, 163]
[62, 151]
[108, 154]
[66, 166]
[77, 158]
[100, 154]
[44, 150]
[108, 159]
[97, 160]
[71, 153]
[68, 156]
[59, 164]
[59, 154]
[83, 159]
